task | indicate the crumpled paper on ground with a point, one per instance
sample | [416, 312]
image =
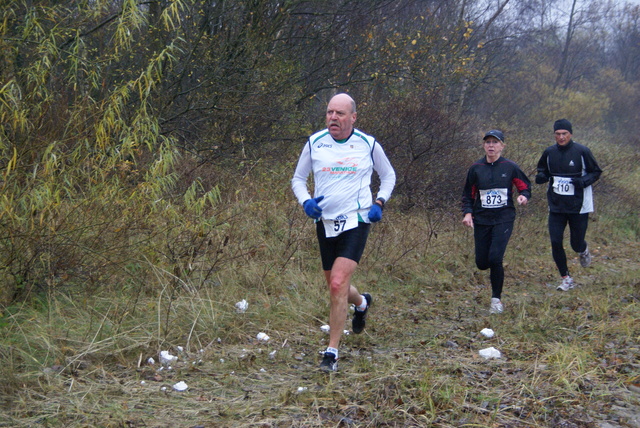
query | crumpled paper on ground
[242, 306]
[488, 353]
[487, 332]
[166, 358]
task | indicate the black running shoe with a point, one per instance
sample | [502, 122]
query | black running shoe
[360, 317]
[329, 362]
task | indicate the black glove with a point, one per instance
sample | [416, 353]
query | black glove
[578, 182]
[541, 178]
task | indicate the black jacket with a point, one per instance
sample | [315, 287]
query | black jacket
[487, 185]
[573, 168]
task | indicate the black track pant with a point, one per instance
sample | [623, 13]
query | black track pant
[577, 230]
[491, 243]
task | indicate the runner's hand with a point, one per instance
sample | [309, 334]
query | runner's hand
[541, 178]
[311, 207]
[375, 213]
[468, 220]
[578, 182]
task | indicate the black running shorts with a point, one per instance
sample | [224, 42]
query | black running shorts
[349, 244]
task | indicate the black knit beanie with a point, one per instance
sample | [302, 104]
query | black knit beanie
[562, 124]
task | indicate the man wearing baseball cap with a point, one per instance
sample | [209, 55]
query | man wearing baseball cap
[570, 169]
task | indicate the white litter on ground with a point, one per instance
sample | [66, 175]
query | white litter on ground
[263, 337]
[180, 386]
[326, 328]
[488, 353]
[242, 306]
[487, 332]
[166, 358]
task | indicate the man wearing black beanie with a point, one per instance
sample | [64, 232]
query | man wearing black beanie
[570, 169]
[562, 124]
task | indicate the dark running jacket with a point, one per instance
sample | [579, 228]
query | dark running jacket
[570, 171]
[488, 191]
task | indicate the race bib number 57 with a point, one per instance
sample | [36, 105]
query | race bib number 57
[335, 227]
[493, 198]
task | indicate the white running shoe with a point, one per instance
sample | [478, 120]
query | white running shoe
[496, 306]
[585, 258]
[567, 284]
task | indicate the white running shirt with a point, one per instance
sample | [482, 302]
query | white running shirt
[342, 173]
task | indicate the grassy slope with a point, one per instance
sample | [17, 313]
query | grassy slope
[78, 358]
[569, 359]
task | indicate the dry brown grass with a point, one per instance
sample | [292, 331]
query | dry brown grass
[569, 359]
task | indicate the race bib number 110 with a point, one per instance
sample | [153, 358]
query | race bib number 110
[563, 186]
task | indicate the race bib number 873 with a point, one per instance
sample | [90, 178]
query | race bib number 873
[493, 198]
